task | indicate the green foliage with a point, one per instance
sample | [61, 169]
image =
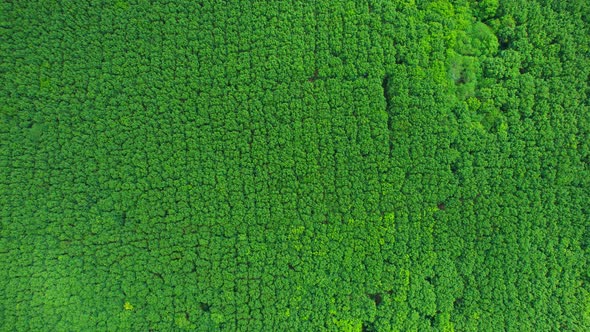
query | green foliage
[485, 9]
[464, 71]
[294, 166]
[481, 40]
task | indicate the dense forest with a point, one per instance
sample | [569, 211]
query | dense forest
[369, 165]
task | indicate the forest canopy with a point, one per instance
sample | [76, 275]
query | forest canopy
[371, 165]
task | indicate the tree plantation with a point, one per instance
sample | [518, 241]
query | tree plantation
[290, 165]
